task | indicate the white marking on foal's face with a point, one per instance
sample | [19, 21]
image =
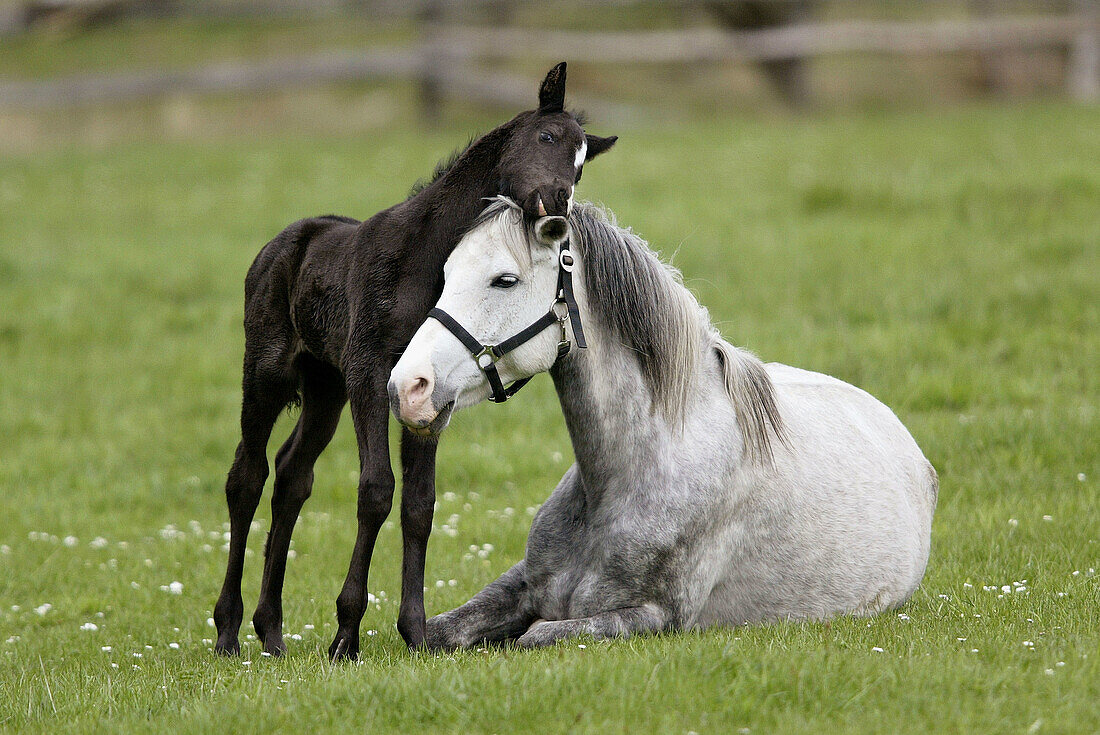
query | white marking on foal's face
[577, 163]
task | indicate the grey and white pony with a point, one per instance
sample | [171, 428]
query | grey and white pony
[709, 488]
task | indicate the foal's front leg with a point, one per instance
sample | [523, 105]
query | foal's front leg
[417, 509]
[621, 623]
[370, 413]
[499, 612]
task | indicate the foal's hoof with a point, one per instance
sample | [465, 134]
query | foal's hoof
[345, 647]
[227, 646]
[272, 638]
[275, 647]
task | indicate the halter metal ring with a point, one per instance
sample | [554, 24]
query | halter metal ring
[486, 357]
[565, 260]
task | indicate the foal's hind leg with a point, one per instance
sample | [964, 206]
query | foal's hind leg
[263, 401]
[322, 401]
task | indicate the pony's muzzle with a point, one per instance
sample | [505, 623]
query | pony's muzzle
[411, 399]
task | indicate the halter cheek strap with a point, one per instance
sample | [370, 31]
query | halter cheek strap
[564, 309]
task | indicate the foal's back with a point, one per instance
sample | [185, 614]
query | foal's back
[296, 291]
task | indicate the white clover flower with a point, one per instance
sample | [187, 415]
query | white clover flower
[71, 541]
[44, 608]
[89, 626]
[876, 649]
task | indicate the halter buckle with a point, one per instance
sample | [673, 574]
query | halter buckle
[562, 315]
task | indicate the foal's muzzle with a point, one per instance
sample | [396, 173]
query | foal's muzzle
[548, 200]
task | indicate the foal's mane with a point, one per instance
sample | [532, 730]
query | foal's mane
[442, 167]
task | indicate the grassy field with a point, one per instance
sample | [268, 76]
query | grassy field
[946, 261]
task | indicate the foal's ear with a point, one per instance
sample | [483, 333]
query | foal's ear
[551, 230]
[552, 91]
[597, 145]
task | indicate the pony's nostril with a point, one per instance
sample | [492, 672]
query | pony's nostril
[563, 198]
[420, 389]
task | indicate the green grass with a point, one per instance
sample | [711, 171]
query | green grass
[947, 262]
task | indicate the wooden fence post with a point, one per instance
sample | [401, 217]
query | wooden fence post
[1083, 69]
[431, 79]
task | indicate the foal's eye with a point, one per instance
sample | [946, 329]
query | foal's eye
[546, 137]
[505, 281]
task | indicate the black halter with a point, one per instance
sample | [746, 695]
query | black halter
[564, 309]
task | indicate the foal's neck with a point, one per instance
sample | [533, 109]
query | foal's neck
[458, 196]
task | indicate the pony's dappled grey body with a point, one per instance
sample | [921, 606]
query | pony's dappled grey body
[709, 488]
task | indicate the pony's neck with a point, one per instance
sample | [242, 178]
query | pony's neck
[608, 409]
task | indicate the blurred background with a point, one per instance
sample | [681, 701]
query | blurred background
[900, 194]
[93, 71]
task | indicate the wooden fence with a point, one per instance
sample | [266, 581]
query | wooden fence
[441, 58]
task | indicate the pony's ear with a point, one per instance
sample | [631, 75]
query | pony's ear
[597, 145]
[552, 91]
[551, 230]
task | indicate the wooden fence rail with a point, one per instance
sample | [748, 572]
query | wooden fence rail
[439, 59]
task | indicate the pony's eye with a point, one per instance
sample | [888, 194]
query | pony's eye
[505, 281]
[546, 137]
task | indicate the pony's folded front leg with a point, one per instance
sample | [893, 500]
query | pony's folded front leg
[621, 623]
[499, 612]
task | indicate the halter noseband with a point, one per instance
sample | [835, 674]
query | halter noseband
[564, 309]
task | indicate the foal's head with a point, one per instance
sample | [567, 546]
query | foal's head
[542, 157]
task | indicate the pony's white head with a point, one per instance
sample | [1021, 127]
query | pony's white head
[501, 278]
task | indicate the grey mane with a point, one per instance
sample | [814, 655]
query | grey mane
[643, 302]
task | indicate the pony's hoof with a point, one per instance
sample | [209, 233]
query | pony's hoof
[345, 647]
